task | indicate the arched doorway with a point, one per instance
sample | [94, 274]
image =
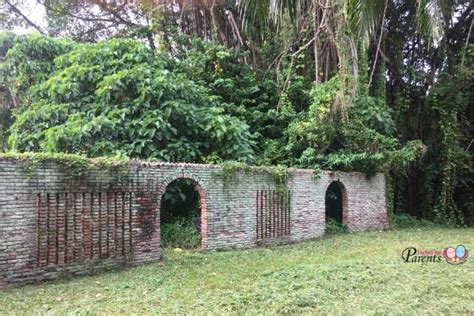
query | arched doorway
[183, 215]
[336, 204]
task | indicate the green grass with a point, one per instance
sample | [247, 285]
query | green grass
[182, 232]
[348, 273]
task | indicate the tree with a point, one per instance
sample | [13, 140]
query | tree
[117, 97]
[342, 84]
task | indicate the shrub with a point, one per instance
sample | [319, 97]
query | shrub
[334, 227]
[181, 232]
[408, 221]
[117, 97]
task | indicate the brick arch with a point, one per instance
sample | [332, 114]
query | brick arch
[202, 202]
[345, 199]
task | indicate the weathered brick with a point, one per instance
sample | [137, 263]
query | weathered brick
[52, 224]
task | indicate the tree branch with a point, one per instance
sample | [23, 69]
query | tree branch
[115, 14]
[467, 43]
[378, 45]
[24, 17]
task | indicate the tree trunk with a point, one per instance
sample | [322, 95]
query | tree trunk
[316, 40]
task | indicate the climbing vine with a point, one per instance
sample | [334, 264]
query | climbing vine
[279, 174]
[453, 161]
[74, 167]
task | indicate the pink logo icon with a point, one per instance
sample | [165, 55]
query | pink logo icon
[456, 255]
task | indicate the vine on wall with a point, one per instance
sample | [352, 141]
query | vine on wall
[74, 167]
[279, 174]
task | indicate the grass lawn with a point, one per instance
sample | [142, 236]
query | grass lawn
[338, 274]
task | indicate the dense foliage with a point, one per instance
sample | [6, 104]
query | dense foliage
[350, 85]
[117, 97]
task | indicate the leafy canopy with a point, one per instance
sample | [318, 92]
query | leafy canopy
[117, 97]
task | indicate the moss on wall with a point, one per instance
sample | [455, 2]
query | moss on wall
[75, 167]
[280, 174]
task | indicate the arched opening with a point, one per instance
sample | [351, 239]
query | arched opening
[336, 204]
[182, 215]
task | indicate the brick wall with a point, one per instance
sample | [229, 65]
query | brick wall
[54, 223]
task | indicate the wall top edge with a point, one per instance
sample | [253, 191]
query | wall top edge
[180, 165]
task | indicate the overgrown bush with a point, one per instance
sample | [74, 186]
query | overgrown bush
[400, 221]
[181, 232]
[117, 97]
[5, 122]
[356, 135]
[334, 227]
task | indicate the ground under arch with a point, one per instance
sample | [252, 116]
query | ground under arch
[182, 214]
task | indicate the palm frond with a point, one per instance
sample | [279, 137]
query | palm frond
[433, 16]
[363, 17]
[257, 16]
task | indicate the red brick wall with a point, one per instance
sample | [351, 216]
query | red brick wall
[52, 223]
